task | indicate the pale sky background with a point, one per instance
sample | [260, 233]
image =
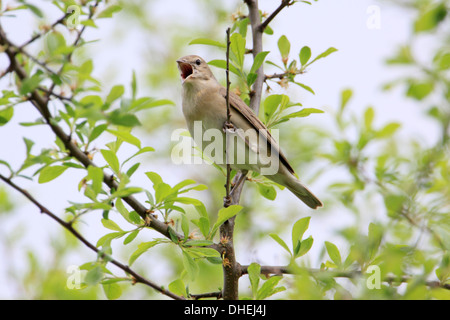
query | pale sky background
[359, 64]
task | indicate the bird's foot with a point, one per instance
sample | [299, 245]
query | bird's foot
[228, 126]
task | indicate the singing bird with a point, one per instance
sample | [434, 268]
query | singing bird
[204, 101]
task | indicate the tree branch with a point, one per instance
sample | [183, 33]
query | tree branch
[68, 226]
[278, 270]
[265, 23]
[41, 104]
[257, 88]
[231, 268]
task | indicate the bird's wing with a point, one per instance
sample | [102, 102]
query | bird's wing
[242, 108]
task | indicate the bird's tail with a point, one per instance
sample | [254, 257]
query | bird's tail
[302, 192]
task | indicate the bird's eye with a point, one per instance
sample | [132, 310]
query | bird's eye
[198, 62]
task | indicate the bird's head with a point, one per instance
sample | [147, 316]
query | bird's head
[193, 67]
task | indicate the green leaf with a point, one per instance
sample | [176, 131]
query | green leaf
[107, 238]
[131, 236]
[269, 288]
[162, 191]
[111, 225]
[185, 226]
[132, 169]
[6, 115]
[141, 151]
[112, 291]
[298, 230]
[305, 55]
[97, 131]
[251, 78]
[96, 175]
[7, 165]
[154, 177]
[126, 191]
[178, 287]
[323, 54]
[333, 252]
[132, 217]
[89, 23]
[243, 26]
[142, 248]
[223, 65]
[268, 30]
[442, 60]
[304, 86]
[111, 158]
[120, 118]
[189, 265]
[280, 242]
[94, 276]
[30, 84]
[394, 204]
[420, 90]
[254, 272]
[133, 85]
[301, 114]
[369, 115]
[346, 95]
[258, 61]
[285, 47]
[200, 252]
[115, 93]
[91, 101]
[127, 137]
[374, 236]
[403, 56]
[267, 191]
[147, 103]
[208, 42]
[388, 130]
[204, 225]
[430, 19]
[237, 48]
[49, 173]
[187, 182]
[271, 104]
[36, 11]
[55, 42]
[305, 246]
[109, 11]
[225, 214]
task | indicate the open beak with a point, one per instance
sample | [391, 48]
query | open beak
[185, 69]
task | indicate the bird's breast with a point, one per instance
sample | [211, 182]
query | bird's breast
[205, 105]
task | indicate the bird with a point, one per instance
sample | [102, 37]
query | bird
[204, 102]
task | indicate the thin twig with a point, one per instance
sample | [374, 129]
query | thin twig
[60, 97]
[39, 35]
[77, 40]
[69, 226]
[282, 75]
[228, 124]
[231, 270]
[217, 295]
